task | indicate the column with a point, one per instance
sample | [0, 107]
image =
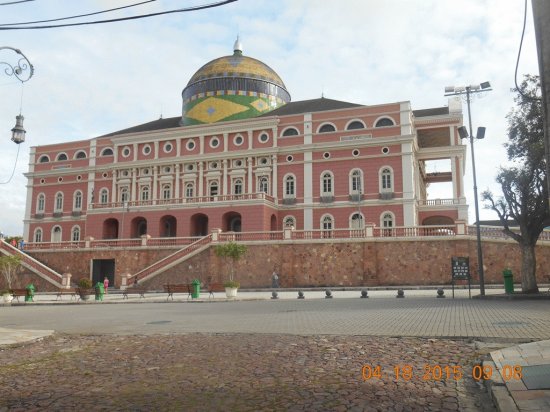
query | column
[250, 182]
[177, 182]
[200, 165]
[155, 184]
[133, 188]
[274, 182]
[224, 181]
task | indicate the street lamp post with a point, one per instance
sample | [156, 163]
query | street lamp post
[23, 70]
[467, 91]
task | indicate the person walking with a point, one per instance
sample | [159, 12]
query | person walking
[105, 284]
[275, 280]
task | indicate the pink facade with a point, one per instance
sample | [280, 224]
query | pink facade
[322, 168]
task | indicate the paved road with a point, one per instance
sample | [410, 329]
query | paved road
[412, 316]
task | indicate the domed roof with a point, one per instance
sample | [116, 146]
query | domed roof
[234, 87]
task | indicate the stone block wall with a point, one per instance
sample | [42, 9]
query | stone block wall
[373, 262]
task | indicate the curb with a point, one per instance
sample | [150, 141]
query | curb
[497, 389]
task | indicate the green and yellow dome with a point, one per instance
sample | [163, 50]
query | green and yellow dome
[230, 88]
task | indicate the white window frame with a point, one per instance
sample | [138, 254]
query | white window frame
[361, 220]
[286, 219]
[263, 183]
[40, 203]
[286, 180]
[144, 193]
[383, 177]
[104, 195]
[75, 231]
[385, 218]
[352, 176]
[237, 186]
[124, 194]
[59, 199]
[77, 200]
[189, 190]
[38, 235]
[329, 180]
[166, 191]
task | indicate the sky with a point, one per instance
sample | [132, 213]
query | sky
[96, 79]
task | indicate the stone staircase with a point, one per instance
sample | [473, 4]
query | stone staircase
[172, 260]
[50, 275]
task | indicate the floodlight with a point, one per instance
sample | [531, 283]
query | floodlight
[485, 85]
[480, 133]
[463, 132]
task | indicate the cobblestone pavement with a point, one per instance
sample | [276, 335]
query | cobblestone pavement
[239, 372]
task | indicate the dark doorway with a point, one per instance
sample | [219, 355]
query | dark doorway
[139, 227]
[103, 268]
[231, 222]
[110, 229]
[273, 223]
[199, 225]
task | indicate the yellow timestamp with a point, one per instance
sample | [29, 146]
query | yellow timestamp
[437, 372]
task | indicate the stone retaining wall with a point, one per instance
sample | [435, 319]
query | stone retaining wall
[380, 262]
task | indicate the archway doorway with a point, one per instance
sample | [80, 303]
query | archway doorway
[231, 222]
[438, 221]
[110, 229]
[168, 226]
[56, 234]
[139, 227]
[199, 225]
[273, 223]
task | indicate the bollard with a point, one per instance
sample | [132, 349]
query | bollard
[400, 293]
[274, 295]
[301, 295]
[440, 293]
[364, 294]
[328, 294]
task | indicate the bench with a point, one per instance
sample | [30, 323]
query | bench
[70, 291]
[181, 288]
[140, 290]
[16, 293]
[215, 287]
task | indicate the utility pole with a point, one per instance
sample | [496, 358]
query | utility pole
[541, 17]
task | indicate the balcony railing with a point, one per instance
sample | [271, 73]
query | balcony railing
[441, 202]
[288, 234]
[186, 200]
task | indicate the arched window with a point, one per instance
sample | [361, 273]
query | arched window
[327, 128]
[214, 188]
[80, 155]
[44, 159]
[166, 191]
[385, 121]
[107, 152]
[124, 195]
[289, 221]
[61, 157]
[356, 124]
[103, 196]
[327, 224]
[356, 221]
[56, 234]
[77, 200]
[189, 190]
[326, 184]
[263, 184]
[356, 182]
[290, 186]
[58, 202]
[238, 187]
[75, 234]
[291, 131]
[386, 179]
[38, 235]
[387, 220]
[41, 203]
[144, 193]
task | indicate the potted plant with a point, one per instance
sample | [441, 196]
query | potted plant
[231, 252]
[85, 288]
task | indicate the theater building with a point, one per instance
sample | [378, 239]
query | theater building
[244, 158]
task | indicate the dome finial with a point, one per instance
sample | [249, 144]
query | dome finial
[238, 47]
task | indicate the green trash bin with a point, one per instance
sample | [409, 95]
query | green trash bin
[99, 291]
[29, 297]
[196, 288]
[508, 281]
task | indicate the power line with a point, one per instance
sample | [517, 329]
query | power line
[77, 16]
[14, 2]
[519, 54]
[195, 8]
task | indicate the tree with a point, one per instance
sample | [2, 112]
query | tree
[9, 266]
[232, 252]
[523, 183]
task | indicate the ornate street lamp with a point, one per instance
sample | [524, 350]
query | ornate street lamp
[467, 91]
[23, 70]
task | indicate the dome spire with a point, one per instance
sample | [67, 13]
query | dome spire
[237, 47]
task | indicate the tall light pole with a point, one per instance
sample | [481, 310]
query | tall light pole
[467, 91]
